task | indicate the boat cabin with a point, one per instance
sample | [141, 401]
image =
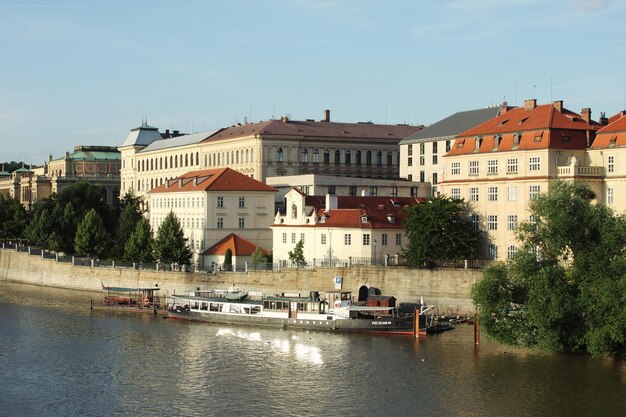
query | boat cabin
[381, 301]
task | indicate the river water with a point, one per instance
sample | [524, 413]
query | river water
[59, 359]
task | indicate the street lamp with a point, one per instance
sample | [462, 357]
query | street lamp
[375, 250]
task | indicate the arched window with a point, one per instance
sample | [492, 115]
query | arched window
[171, 165]
[359, 160]
[279, 155]
[379, 158]
[237, 156]
[161, 163]
[316, 155]
[247, 154]
[326, 156]
[348, 157]
[305, 155]
[227, 158]
[252, 155]
[138, 185]
[369, 158]
[186, 160]
[337, 156]
[197, 158]
[389, 158]
[151, 164]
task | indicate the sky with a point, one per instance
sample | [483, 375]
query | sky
[86, 72]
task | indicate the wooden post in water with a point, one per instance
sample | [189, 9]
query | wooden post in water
[91, 304]
[476, 330]
[416, 324]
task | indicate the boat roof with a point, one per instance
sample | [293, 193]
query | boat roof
[125, 289]
[369, 308]
[213, 299]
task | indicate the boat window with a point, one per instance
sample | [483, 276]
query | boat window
[204, 306]
[256, 310]
[195, 305]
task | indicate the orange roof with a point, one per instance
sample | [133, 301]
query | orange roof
[222, 179]
[540, 127]
[318, 129]
[613, 134]
[238, 245]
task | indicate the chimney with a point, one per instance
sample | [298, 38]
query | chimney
[49, 158]
[167, 133]
[603, 119]
[585, 114]
[284, 119]
[530, 104]
[175, 133]
[326, 117]
[558, 105]
[331, 202]
[504, 108]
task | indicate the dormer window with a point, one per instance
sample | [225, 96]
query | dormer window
[496, 142]
[479, 141]
[502, 123]
[364, 219]
[612, 142]
[391, 218]
[323, 218]
[523, 120]
[516, 138]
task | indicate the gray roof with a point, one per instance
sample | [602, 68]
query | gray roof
[142, 136]
[178, 141]
[452, 125]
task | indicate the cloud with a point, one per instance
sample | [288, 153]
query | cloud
[588, 6]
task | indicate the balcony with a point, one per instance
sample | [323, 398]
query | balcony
[579, 171]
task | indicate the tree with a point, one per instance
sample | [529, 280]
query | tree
[129, 219]
[297, 255]
[92, 239]
[439, 228]
[565, 290]
[13, 218]
[170, 244]
[140, 244]
[260, 257]
[228, 259]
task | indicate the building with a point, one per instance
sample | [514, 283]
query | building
[212, 204]
[241, 250]
[421, 154]
[340, 229]
[280, 147]
[500, 165]
[314, 184]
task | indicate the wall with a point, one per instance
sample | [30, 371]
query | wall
[448, 289]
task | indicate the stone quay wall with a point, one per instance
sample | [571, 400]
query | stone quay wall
[448, 289]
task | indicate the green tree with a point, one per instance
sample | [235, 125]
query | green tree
[439, 228]
[140, 244]
[260, 257]
[565, 290]
[92, 239]
[170, 244]
[297, 255]
[13, 218]
[228, 259]
[129, 219]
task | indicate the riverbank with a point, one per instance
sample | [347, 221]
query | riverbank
[448, 289]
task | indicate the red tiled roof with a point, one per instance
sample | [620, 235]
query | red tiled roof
[238, 245]
[539, 128]
[350, 210]
[222, 179]
[613, 132]
[317, 129]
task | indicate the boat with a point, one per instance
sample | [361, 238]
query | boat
[136, 299]
[335, 312]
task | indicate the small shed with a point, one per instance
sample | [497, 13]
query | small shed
[381, 301]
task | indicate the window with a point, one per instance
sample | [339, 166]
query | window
[455, 168]
[492, 222]
[422, 148]
[434, 178]
[348, 157]
[323, 239]
[455, 193]
[379, 158]
[337, 156]
[368, 158]
[293, 238]
[305, 155]
[332, 189]
[390, 158]
[473, 168]
[374, 191]
[422, 176]
[609, 196]
[284, 237]
[510, 252]
[511, 222]
[434, 147]
[448, 145]
[422, 160]
[352, 190]
[512, 193]
[242, 202]
[279, 155]
[302, 237]
[474, 194]
[316, 155]
[493, 252]
[347, 239]
[242, 223]
[359, 159]
[511, 166]
[474, 219]
[533, 191]
[410, 150]
[398, 239]
[434, 159]
[492, 193]
[410, 161]
[220, 223]
[534, 163]
[611, 165]
[394, 191]
[384, 239]
[366, 239]
[492, 167]
[326, 156]
[220, 202]
[413, 191]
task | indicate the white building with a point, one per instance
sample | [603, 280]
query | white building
[211, 204]
[340, 229]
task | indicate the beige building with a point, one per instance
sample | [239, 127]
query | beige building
[338, 230]
[421, 154]
[212, 204]
[503, 163]
[265, 149]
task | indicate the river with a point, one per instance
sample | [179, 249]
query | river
[59, 359]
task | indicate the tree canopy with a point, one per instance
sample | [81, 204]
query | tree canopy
[565, 290]
[13, 218]
[439, 228]
[140, 244]
[297, 254]
[128, 219]
[91, 238]
[170, 244]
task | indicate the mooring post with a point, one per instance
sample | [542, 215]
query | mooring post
[416, 326]
[476, 330]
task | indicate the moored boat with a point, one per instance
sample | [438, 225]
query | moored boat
[336, 312]
[140, 299]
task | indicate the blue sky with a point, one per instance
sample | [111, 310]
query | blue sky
[86, 72]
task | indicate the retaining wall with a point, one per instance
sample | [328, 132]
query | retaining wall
[448, 289]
